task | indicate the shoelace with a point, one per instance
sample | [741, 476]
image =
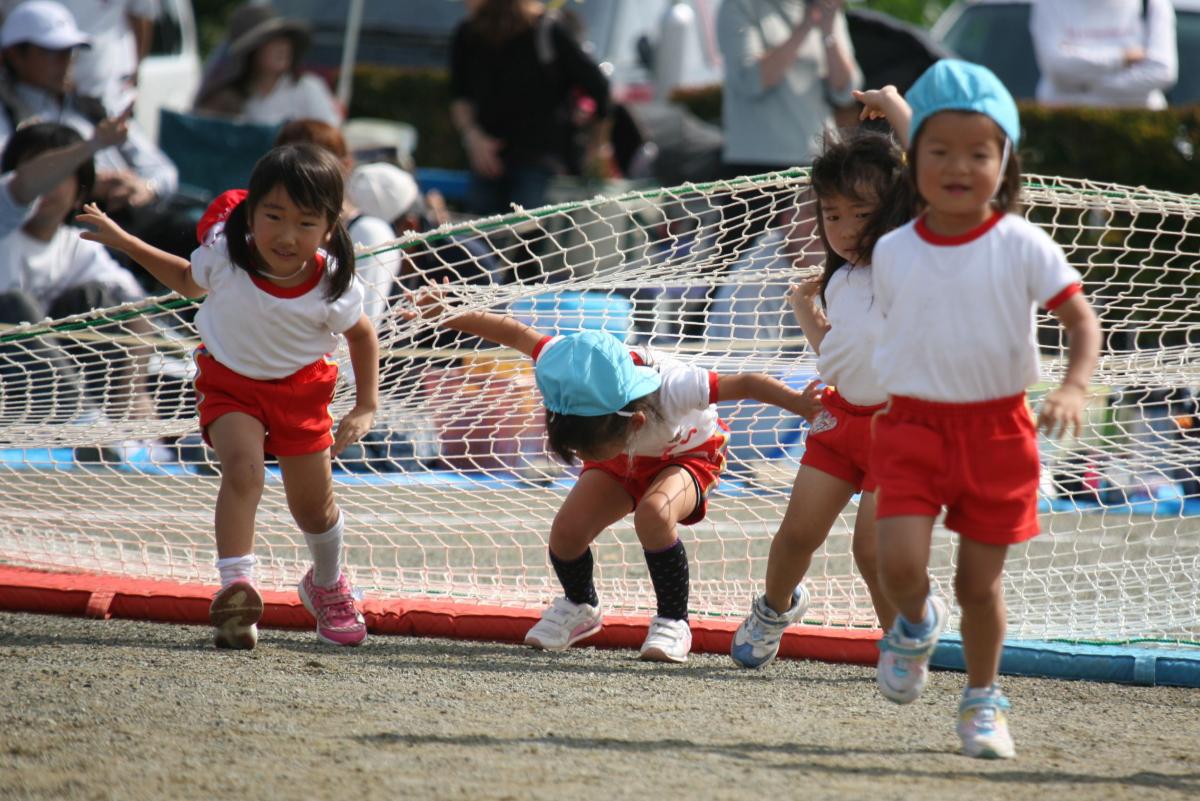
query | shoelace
[340, 604]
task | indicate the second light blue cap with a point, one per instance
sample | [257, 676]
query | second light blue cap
[953, 85]
[590, 374]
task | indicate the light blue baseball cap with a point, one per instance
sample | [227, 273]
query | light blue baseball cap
[590, 374]
[953, 85]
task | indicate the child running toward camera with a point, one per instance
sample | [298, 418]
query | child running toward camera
[861, 194]
[646, 429]
[280, 286]
[957, 289]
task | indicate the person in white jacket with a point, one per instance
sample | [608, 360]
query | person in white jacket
[1105, 52]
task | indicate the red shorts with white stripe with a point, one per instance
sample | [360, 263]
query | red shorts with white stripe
[294, 410]
[979, 460]
[703, 464]
[839, 441]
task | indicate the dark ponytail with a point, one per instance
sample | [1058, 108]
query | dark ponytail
[312, 178]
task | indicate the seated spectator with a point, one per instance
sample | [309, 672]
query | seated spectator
[366, 231]
[121, 32]
[135, 181]
[46, 269]
[1117, 53]
[255, 74]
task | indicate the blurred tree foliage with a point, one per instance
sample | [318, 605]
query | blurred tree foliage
[211, 17]
[918, 12]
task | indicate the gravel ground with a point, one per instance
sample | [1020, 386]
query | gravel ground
[131, 710]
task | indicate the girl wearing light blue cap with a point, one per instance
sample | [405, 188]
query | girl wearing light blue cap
[646, 429]
[958, 289]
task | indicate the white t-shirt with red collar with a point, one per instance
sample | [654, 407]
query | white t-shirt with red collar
[686, 400]
[847, 352]
[959, 311]
[264, 331]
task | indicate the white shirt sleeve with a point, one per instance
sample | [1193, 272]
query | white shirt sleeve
[346, 310]
[12, 213]
[684, 388]
[207, 260]
[1047, 271]
[1160, 68]
[93, 263]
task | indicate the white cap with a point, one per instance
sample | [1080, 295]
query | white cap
[43, 23]
[383, 190]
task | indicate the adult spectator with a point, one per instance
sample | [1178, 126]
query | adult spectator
[513, 72]
[255, 74]
[1105, 52]
[135, 180]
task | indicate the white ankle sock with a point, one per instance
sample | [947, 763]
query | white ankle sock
[326, 550]
[236, 568]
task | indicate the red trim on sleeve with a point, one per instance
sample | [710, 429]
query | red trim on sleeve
[540, 346]
[714, 382]
[932, 238]
[1061, 297]
[271, 288]
[637, 358]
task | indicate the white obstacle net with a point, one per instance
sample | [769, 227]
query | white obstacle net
[452, 495]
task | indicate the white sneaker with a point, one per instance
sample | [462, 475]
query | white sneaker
[903, 662]
[982, 724]
[756, 641]
[667, 641]
[563, 624]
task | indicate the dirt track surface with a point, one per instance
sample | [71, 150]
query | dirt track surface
[128, 710]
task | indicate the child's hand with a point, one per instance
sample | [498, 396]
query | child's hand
[352, 428]
[427, 303]
[803, 299]
[1062, 411]
[810, 400]
[877, 102]
[101, 228]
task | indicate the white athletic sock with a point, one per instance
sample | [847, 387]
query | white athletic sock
[326, 550]
[236, 568]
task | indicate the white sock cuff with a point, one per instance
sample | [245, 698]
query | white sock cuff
[333, 533]
[237, 561]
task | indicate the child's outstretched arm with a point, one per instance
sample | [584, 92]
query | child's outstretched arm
[43, 172]
[1062, 410]
[764, 389]
[889, 104]
[498, 328]
[363, 345]
[173, 271]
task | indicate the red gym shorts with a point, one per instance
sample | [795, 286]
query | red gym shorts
[839, 441]
[294, 410]
[704, 465]
[979, 460]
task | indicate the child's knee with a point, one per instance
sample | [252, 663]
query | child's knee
[316, 515]
[653, 516]
[901, 573]
[973, 593]
[244, 475]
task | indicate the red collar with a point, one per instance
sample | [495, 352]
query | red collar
[272, 288]
[959, 239]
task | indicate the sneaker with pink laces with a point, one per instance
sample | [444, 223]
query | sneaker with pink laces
[338, 620]
[234, 613]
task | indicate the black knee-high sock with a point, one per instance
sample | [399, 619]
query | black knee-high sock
[575, 577]
[669, 574]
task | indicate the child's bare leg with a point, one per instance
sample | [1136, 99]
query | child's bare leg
[903, 555]
[308, 484]
[865, 547]
[980, 591]
[817, 500]
[238, 441]
[595, 502]
[671, 497]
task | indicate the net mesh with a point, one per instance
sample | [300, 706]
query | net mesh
[452, 495]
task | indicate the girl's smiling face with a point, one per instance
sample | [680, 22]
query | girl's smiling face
[959, 160]
[286, 236]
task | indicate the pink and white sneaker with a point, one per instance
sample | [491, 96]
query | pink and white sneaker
[235, 612]
[338, 620]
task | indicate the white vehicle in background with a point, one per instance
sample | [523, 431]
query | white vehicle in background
[170, 74]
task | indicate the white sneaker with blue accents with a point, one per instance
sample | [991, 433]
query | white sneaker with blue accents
[756, 641]
[904, 662]
[983, 724]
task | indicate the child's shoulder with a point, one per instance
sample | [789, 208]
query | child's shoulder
[896, 237]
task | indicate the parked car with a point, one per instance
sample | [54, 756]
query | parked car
[995, 33]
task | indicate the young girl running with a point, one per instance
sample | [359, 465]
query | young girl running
[957, 288]
[860, 195]
[280, 289]
[646, 429]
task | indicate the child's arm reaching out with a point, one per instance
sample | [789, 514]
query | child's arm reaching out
[174, 272]
[363, 345]
[1062, 410]
[498, 328]
[764, 389]
[889, 104]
